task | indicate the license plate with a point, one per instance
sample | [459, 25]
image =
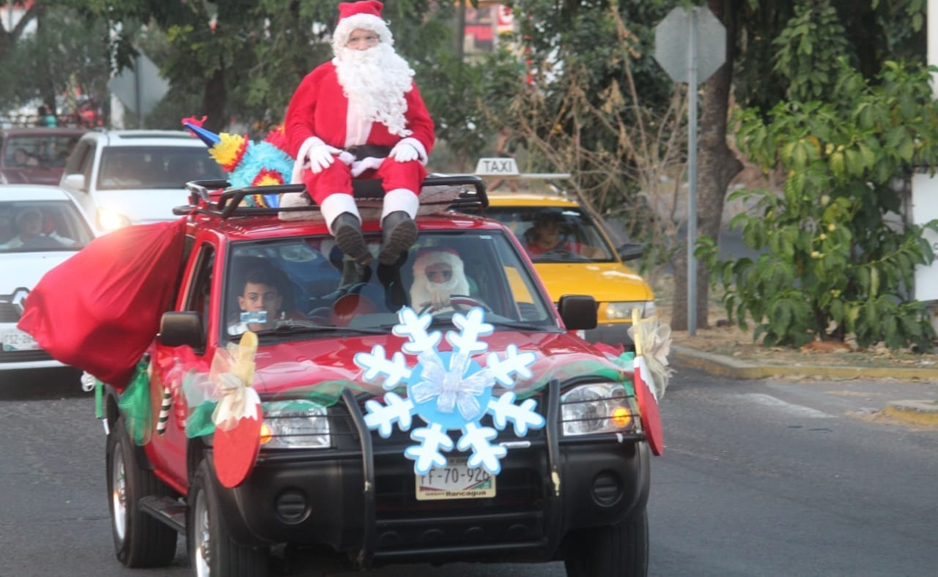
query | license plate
[455, 481]
[18, 341]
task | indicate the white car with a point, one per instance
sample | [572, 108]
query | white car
[40, 227]
[123, 177]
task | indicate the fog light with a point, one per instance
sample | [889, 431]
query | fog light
[292, 506]
[621, 417]
[265, 434]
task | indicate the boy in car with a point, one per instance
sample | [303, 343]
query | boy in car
[260, 301]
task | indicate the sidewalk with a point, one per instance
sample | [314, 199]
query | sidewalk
[918, 412]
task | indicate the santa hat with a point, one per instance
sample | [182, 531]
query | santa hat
[365, 15]
[431, 256]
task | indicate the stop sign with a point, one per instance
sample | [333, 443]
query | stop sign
[672, 38]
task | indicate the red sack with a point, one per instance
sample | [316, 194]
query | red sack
[100, 310]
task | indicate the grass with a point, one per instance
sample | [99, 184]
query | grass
[731, 341]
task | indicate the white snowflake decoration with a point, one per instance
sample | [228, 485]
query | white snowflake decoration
[449, 391]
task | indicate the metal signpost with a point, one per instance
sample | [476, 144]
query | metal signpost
[691, 45]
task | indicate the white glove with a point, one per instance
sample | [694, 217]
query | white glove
[320, 157]
[439, 300]
[404, 152]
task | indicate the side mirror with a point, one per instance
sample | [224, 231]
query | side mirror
[181, 328]
[74, 182]
[630, 251]
[578, 312]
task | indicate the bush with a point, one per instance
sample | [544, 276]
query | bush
[831, 264]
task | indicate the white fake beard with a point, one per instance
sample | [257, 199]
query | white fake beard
[423, 288]
[375, 81]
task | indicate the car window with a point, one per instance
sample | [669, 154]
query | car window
[555, 234]
[78, 160]
[199, 296]
[163, 167]
[294, 286]
[38, 150]
[32, 226]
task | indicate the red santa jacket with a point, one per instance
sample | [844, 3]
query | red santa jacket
[319, 108]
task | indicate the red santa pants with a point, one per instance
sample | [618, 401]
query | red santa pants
[337, 178]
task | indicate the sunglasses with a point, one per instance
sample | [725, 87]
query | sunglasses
[439, 275]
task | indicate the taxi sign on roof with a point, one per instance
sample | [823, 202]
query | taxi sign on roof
[508, 168]
[497, 167]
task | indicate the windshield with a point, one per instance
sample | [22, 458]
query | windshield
[554, 234]
[32, 226]
[306, 286]
[38, 151]
[155, 167]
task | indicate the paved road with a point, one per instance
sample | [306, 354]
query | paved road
[774, 478]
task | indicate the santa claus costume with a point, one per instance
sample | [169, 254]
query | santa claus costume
[434, 294]
[361, 108]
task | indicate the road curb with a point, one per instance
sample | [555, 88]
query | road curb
[723, 366]
[918, 412]
[915, 412]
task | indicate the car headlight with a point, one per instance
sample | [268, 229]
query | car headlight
[598, 408]
[109, 219]
[623, 310]
[295, 425]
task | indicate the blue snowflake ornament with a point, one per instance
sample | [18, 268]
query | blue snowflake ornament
[449, 391]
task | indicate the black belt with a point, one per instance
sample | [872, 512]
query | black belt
[363, 151]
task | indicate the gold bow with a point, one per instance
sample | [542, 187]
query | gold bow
[232, 373]
[652, 340]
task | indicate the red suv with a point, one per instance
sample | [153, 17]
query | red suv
[402, 422]
[35, 155]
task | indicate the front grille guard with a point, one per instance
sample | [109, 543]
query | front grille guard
[366, 452]
[552, 437]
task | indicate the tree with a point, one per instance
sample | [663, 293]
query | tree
[245, 57]
[803, 39]
[834, 264]
[65, 52]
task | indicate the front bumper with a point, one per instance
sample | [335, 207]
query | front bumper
[359, 497]
[19, 360]
[12, 360]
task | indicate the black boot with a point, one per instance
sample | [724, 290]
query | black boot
[399, 234]
[348, 235]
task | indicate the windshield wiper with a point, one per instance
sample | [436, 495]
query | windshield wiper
[520, 325]
[295, 327]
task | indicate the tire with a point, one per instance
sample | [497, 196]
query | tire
[212, 551]
[139, 539]
[618, 551]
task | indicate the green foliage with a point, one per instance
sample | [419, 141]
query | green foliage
[66, 50]
[808, 50]
[809, 34]
[832, 263]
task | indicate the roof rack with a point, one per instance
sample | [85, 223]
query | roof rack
[204, 197]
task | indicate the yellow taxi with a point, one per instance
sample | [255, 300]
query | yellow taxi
[569, 247]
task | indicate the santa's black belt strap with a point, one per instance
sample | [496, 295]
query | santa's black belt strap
[369, 151]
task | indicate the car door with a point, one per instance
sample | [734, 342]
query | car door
[76, 178]
[174, 366]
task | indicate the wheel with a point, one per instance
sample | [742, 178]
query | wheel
[212, 551]
[139, 539]
[620, 551]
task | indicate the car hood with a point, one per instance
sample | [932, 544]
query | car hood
[317, 365]
[38, 175]
[606, 282]
[23, 270]
[143, 205]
